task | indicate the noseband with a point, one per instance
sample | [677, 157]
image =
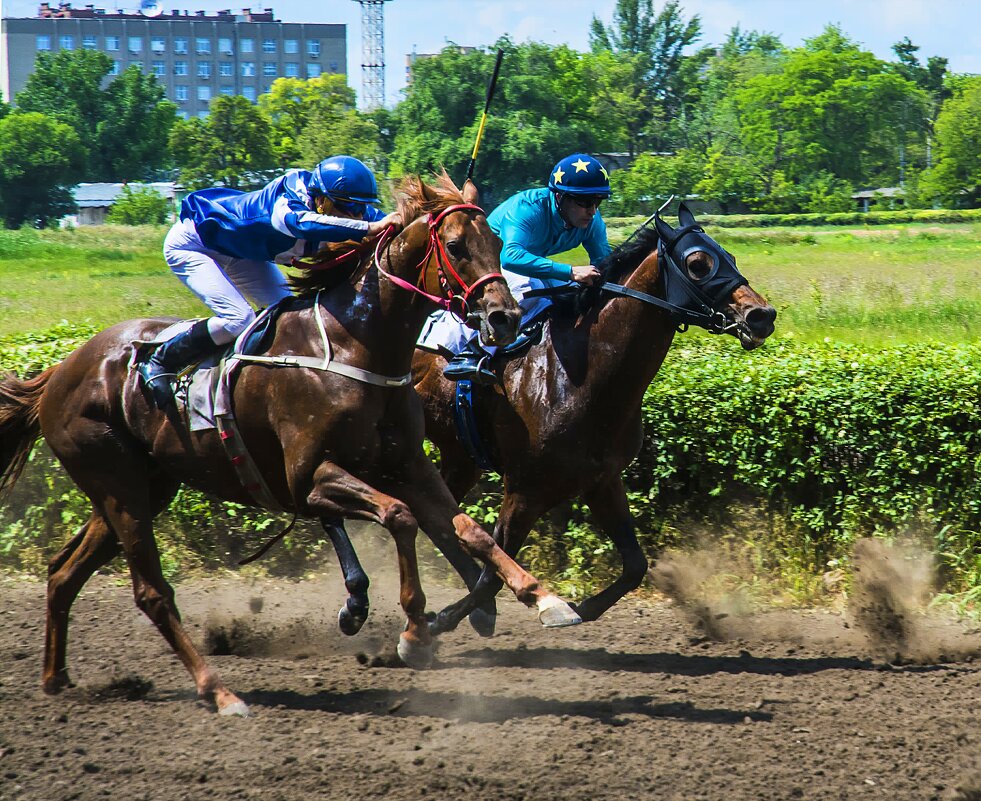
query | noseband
[451, 301]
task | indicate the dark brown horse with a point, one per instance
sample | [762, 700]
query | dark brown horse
[566, 419]
[328, 446]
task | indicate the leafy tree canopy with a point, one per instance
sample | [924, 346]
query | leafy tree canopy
[956, 176]
[140, 205]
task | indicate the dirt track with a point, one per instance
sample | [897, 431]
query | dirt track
[638, 706]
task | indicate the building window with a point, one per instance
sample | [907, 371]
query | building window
[182, 115]
[180, 68]
[114, 69]
[267, 88]
[135, 44]
[112, 43]
[313, 48]
[66, 42]
[204, 69]
[226, 69]
[204, 93]
[90, 43]
[180, 45]
[313, 70]
[43, 43]
[292, 69]
[291, 46]
[202, 46]
[226, 90]
[225, 47]
[180, 93]
[137, 64]
[248, 92]
[202, 115]
[269, 69]
[159, 69]
[158, 44]
[268, 45]
[248, 69]
[246, 46]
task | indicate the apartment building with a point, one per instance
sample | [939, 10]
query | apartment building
[195, 56]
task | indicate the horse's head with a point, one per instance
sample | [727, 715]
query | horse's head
[701, 277]
[461, 265]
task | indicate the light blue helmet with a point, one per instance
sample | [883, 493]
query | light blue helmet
[580, 174]
[344, 178]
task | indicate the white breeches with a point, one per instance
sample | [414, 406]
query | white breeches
[223, 283]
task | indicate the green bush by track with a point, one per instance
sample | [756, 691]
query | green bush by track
[794, 450]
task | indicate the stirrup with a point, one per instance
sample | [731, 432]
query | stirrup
[470, 365]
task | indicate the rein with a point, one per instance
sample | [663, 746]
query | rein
[452, 302]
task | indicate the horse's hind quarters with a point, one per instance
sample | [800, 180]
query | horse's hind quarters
[554, 613]
[413, 653]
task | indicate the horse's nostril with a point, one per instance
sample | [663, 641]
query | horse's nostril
[499, 320]
[761, 317]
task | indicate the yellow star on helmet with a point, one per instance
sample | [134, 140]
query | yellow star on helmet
[581, 166]
[605, 173]
[557, 175]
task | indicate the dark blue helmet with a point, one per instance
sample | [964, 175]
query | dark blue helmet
[344, 178]
[580, 174]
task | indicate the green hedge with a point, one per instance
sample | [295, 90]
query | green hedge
[790, 452]
[838, 218]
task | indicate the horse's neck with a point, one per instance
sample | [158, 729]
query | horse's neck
[624, 346]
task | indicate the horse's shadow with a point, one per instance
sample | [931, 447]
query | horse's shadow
[483, 708]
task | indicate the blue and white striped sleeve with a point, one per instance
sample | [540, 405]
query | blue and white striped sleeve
[291, 217]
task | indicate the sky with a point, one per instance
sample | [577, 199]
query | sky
[948, 28]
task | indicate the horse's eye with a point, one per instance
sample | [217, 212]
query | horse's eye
[457, 249]
[699, 265]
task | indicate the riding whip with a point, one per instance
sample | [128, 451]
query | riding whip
[483, 117]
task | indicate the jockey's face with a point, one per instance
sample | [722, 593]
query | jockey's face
[325, 205]
[578, 210]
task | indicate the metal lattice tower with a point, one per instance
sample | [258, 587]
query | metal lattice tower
[372, 53]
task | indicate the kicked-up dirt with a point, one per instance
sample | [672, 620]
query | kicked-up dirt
[640, 705]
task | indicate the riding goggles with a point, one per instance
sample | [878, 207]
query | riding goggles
[587, 201]
[346, 206]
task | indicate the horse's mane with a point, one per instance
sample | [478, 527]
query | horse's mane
[624, 259]
[334, 263]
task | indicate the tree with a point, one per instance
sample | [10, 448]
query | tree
[659, 41]
[349, 134]
[140, 205]
[652, 179]
[293, 104]
[132, 137]
[40, 159]
[955, 178]
[123, 128]
[231, 147]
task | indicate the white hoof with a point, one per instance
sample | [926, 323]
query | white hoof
[238, 709]
[413, 655]
[554, 613]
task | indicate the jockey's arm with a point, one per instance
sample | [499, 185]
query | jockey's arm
[291, 216]
[521, 237]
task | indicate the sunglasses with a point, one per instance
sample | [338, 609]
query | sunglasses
[349, 206]
[587, 201]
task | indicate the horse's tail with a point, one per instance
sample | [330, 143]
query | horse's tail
[19, 424]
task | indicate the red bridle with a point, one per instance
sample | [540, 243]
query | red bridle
[443, 266]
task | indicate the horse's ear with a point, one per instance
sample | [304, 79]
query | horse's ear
[664, 230]
[685, 217]
[470, 193]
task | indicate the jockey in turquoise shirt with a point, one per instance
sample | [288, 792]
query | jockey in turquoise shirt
[534, 225]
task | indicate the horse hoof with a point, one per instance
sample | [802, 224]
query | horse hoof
[350, 623]
[413, 654]
[554, 613]
[235, 709]
[483, 622]
[56, 684]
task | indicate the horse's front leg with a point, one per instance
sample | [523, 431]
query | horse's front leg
[449, 529]
[354, 613]
[338, 494]
[611, 510]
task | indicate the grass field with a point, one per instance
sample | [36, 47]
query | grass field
[882, 285]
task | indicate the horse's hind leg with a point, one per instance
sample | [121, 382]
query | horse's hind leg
[354, 613]
[92, 547]
[611, 510]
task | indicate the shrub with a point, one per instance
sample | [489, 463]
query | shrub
[140, 205]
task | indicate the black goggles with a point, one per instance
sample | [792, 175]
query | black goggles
[587, 201]
[347, 206]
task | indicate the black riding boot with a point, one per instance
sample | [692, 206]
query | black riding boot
[173, 356]
[472, 362]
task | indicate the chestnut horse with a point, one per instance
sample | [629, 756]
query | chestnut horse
[565, 420]
[329, 446]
